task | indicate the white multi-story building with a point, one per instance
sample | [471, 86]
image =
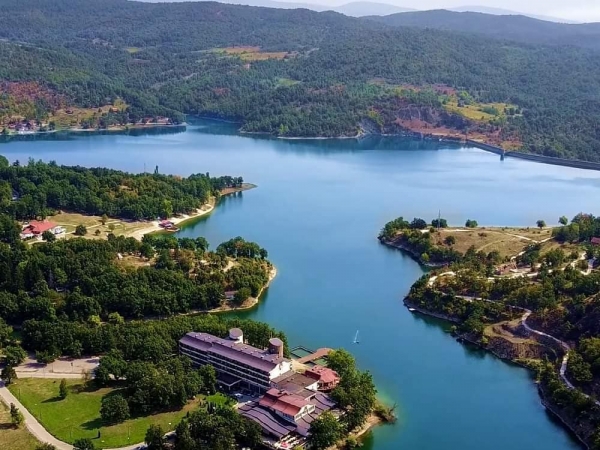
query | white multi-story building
[237, 364]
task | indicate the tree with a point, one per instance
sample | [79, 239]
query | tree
[450, 240]
[111, 227]
[115, 318]
[341, 361]
[114, 409]
[16, 417]
[14, 355]
[541, 224]
[146, 251]
[209, 379]
[48, 236]
[418, 224]
[471, 223]
[241, 295]
[155, 438]
[63, 390]
[183, 437]
[5, 332]
[563, 220]
[104, 219]
[84, 444]
[324, 431]
[441, 223]
[97, 232]
[80, 230]
[8, 374]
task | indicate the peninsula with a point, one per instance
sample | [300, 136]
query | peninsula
[526, 295]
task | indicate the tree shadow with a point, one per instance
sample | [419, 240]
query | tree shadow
[52, 400]
[7, 426]
[93, 424]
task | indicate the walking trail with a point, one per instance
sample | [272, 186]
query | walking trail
[526, 313]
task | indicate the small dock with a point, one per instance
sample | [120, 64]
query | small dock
[304, 355]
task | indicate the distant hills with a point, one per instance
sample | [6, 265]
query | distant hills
[505, 12]
[366, 8]
[353, 9]
[508, 27]
[301, 73]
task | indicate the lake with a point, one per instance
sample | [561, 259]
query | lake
[318, 209]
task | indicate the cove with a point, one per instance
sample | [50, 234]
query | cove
[318, 208]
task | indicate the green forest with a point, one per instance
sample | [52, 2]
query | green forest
[332, 76]
[39, 189]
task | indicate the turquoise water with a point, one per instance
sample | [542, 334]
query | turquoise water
[318, 208]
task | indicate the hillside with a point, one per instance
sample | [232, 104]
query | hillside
[507, 27]
[303, 73]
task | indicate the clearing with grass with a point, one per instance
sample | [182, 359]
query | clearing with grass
[78, 415]
[14, 438]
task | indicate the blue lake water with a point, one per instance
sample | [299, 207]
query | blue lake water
[317, 209]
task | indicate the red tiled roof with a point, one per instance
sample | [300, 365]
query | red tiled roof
[37, 227]
[596, 240]
[323, 374]
[283, 402]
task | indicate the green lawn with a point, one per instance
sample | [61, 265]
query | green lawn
[78, 416]
[220, 399]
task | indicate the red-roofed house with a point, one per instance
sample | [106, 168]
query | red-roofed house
[37, 228]
[595, 241]
[291, 407]
[328, 379]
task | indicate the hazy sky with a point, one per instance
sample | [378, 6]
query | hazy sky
[578, 10]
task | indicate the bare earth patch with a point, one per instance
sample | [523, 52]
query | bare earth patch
[507, 241]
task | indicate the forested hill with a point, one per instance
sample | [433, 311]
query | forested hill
[506, 27]
[301, 73]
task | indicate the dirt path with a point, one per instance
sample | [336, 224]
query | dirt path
[526, 313]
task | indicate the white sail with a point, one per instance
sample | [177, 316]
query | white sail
[356, 341]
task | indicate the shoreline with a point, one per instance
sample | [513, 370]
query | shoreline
[411, 253]
[204, 210]
[250, 302]
[118, 129]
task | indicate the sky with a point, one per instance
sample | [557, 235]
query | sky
[575, 10]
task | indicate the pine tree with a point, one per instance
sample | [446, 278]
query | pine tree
[62, 390]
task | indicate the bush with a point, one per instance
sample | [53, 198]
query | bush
[48, 236]
[80, 230]
[450, 240]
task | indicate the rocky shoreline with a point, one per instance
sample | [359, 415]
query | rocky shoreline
[411, 252]
[582, 433]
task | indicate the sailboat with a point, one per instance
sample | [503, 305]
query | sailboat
[356, 341]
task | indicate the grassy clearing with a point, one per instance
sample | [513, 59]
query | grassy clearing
[475, 110]
[11, 438]
[507, 241]
[93, 223]
[286, 82]
[78, 416]
[74, 116]
[250, 53]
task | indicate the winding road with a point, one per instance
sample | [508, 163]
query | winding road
[526, 313]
